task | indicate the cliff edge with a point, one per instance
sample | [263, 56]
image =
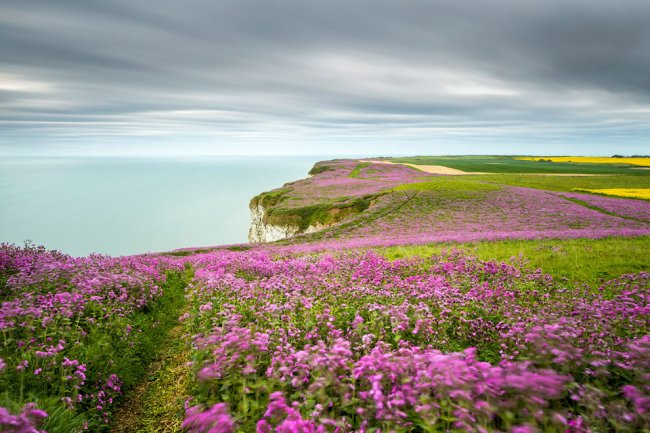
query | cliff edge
[335, 191]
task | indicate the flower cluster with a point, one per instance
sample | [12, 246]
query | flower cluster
[353, 342]
[66, 323]
[26, 422]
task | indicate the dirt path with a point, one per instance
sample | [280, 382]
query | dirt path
[156, 404]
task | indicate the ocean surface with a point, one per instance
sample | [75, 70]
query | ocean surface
[122, 206]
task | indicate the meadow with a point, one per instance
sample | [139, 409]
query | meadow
[442, 304]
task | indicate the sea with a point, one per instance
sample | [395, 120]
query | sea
[124, 206]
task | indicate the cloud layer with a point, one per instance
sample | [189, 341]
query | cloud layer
[306, 76]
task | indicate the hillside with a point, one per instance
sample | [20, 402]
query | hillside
[354, 202]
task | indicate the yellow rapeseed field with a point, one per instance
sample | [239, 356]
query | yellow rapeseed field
[591, 159]
[620, 192]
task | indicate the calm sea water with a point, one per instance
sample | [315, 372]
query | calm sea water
[125, 206]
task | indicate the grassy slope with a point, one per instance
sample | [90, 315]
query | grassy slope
[506, 164]
[584, 261]
[578, 260]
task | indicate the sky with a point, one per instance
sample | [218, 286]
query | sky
[349, 77]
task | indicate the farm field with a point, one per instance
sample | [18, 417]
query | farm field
[503, 302]
[643, 193]
[644, 162]
[508, 164]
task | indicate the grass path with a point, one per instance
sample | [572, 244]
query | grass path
[156, 404]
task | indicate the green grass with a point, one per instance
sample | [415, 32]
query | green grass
[270, 198]
[579, 261]
[155, 398]
[156, 406]
[568, 183]
[319, 168]
[357, 170]
[448, 183]
[185, 253]
[507, 164]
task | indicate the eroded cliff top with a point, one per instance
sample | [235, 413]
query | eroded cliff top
[372, 202]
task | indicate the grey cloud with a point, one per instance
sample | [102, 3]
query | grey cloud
[324, 71]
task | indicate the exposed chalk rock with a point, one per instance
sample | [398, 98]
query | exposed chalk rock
[261, 232]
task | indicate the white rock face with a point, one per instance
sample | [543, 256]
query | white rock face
[260, 232]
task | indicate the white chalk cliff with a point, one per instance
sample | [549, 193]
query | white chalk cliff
[261, 232]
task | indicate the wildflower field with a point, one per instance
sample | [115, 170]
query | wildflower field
[76, 332]
[346, 341]
[354, 342]
[440, 305]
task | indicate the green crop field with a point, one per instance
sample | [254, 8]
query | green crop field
[566, 183]
[507, 164]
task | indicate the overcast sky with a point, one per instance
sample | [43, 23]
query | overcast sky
[358, 77]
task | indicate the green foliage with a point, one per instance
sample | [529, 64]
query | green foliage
[319, 168]
[322, 213]
[60, 418]
[269, 199]
[239, 248]
[568, 183]
[185, 253]
[356, 171]
[450, 183]
[155, 323]
[579, 261]
[157, 404]
[120, 345]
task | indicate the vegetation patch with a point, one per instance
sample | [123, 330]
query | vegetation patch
[584, 261]
[239, 248]
[185, 253]
[269, 199]
[621, 160]
[156, 405]
[634, 180]
[356, 171]
[319, 214]
[642, 193]
[320, 168]
[448, 184]
[352, 342]
[79, 334]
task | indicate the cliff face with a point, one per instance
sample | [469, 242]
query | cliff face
[262, 231]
